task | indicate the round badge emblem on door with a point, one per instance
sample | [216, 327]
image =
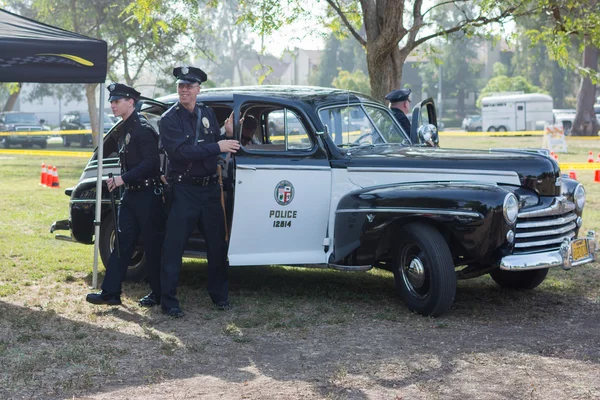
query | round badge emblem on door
[284, 193]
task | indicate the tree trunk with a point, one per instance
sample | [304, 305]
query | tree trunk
[12, 99]
[90, 93]
[460, 103]
[385, 73]
[585, 123]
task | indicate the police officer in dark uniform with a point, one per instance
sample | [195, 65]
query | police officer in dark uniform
[400, 106]
[140, 209]
[191, 137]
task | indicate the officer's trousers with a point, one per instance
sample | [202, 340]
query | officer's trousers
[140, 212]
[195, 206]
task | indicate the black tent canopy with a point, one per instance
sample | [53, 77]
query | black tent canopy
[31, 51]
[34, 52]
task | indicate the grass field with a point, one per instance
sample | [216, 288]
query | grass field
[293, 333]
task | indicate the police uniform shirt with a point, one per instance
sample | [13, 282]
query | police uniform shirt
[139, 144]
[402, 119]
[178, 133]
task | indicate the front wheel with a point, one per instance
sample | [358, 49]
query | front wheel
[424, 270]
[491, 129]
[526, 280]
[137, 265]
[66, 142]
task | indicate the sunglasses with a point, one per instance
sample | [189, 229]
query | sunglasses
[187, 86]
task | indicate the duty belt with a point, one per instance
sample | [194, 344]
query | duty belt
[196, 180]
[139, 185]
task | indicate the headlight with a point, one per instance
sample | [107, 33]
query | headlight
[511, 208]
[579, 197]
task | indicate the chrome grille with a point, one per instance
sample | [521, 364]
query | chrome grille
[28, 128]
[545, 229]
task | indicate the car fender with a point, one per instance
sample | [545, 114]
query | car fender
[463, 211]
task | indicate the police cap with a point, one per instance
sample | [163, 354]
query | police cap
[398, 95]
[187, 74]
[119, 91]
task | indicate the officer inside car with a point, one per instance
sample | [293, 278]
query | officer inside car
[400, 106]
[192, 139]
[140, 209]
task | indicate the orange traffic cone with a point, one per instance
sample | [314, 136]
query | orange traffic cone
[591, 156]
[598, 160]
[552, 154]
[43, 175]
[555, 156]
[48, 180]
[55, 183]
[597, 176]
[573, 175]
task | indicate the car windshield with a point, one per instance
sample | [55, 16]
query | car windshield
[358, 125]
[21, 119]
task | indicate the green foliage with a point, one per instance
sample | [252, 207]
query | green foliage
[356, 81]
[503, 83]
[339, 53]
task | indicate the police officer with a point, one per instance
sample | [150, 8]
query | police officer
[140, 206]
[400, 106]
[192, 139]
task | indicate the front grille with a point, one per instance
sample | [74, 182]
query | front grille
[545, 229]
[28, 128]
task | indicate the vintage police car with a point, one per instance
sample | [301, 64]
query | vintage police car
[346, 188]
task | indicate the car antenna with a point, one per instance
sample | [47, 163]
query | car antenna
[348, 116]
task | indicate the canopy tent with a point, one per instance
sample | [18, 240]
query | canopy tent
[31, 51]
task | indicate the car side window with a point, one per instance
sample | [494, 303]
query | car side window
[284, 130]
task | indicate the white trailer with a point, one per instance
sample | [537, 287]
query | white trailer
[516, 112]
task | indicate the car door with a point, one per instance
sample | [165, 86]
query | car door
[282, 188]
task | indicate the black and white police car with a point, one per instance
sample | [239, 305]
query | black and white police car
[346, 188]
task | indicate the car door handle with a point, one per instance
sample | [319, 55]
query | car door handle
[246, 167]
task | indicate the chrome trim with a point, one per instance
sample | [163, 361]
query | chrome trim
[246, 167]
[556, 258]
[560, 205]
[64, 238]
[83, 201]
[552, 222]
[404, 210]
[358, 268]
[544, 242]
[435, 171]
[558, 231]
[284, 168]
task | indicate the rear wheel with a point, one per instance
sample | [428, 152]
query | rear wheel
[526, 280]
[491, 129]
[424, 270]
[137, 265]
[66, 141]
[501, 129]
[83, 141]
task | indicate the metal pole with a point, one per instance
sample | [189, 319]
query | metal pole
[99, 158]
[439, 96]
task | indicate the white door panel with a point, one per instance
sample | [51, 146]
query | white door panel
[280, 215]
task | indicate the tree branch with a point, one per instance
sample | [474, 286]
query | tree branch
[347, 23]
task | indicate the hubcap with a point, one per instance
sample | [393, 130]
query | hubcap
[414, 272]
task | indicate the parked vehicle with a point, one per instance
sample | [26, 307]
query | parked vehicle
[20, 123]
[80, 120]
[564, 118]
[516, 112]
[472, 123]
[351, 197]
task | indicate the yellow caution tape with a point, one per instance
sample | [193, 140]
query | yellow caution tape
[50, 153]
[520, 133]
[46, 133]
[579, 166]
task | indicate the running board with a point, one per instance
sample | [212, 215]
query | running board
[64, 237]
[355, 268]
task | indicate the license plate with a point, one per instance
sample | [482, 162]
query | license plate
[579, 249]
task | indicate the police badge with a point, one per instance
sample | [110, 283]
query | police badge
[127, 138]
[111, 87]
[185, 70]
[205, 122]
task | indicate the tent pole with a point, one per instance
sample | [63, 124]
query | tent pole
[99, 158]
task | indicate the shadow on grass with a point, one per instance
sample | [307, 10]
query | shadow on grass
[338, 334]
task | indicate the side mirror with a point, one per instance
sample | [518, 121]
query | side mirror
[42, 121]
[428, 135]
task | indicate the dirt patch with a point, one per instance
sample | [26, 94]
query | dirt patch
[297, 334]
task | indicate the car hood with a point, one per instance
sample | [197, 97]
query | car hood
[419, 164]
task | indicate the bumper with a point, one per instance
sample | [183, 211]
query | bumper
[63, 225]
[562, 257]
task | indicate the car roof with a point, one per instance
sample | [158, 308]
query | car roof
[307, 94]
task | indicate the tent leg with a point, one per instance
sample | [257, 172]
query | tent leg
[100, 157]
